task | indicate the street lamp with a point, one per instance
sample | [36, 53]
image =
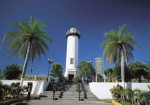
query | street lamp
[31, 70]
[49, 62]
[89, 62]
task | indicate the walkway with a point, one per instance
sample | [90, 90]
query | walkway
[60, 102]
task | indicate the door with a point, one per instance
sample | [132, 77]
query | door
[71, 76]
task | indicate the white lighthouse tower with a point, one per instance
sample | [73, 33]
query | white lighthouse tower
[73, 37]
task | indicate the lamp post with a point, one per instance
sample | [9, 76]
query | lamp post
[89, 62]
[49, 62]
[31, 70]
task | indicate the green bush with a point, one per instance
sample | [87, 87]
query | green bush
[1, 91]
[116, 92]
[144, 97]
[77, 80]
[133, 97]
[15, 89]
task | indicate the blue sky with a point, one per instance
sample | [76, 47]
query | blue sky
[91, 17]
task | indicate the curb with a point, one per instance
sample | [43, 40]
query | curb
[115, 103]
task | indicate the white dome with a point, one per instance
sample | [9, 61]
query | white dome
[73, 31]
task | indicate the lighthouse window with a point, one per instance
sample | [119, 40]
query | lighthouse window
[71, 60]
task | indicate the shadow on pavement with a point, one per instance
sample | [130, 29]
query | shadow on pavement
[21, 104]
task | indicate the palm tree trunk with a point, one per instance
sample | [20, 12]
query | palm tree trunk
[25, 64]
[122, 69]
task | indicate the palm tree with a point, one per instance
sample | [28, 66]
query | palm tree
[119, 47]
[109, 73]
[28, 41]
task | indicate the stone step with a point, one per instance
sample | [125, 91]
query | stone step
[70, 98]
[51, 91]
[71, 94]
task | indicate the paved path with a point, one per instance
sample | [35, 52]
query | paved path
[60, 102]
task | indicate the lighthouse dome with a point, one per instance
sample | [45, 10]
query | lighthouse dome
[72, 31]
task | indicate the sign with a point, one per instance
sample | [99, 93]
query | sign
[99, 65]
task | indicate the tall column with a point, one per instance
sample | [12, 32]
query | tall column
[72, 36]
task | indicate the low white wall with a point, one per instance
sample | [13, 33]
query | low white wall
[102, 90]
[37, 88]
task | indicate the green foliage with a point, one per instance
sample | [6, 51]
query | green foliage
[141, 97]
[100, 78]
[118, 40]
[148, 86]
[1, 90]
[25, 88]
[117, 72]
[132, 71]
[28, 32]
[144, 96]
[77, 80]
[10, 91]
[116, 92]
[119, 47]
[137, 69]
[127, 95]
[12, 71]
[109, 73]
[15, 89]
[56, 71]
[28, 41]
[86, 70]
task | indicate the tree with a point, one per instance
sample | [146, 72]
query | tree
[100, 78]
[12, 71]
[86, 70]
[109, 73]
[138, 69]
[148, 65]
[28, 41]
[56, 71]
[119, 47]
[117, 72]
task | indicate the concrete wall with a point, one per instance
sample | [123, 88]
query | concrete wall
[37, 88]
[102, 90]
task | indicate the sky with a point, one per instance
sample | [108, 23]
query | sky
[91, 17]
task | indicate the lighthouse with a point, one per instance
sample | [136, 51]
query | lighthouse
[73, 37]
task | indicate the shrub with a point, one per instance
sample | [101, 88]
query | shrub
[1, 92]
[127, 95]
[144, 97]
[116, 92]
[77, 80]
[15, 89]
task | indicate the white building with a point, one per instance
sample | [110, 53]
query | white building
[73, 37]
